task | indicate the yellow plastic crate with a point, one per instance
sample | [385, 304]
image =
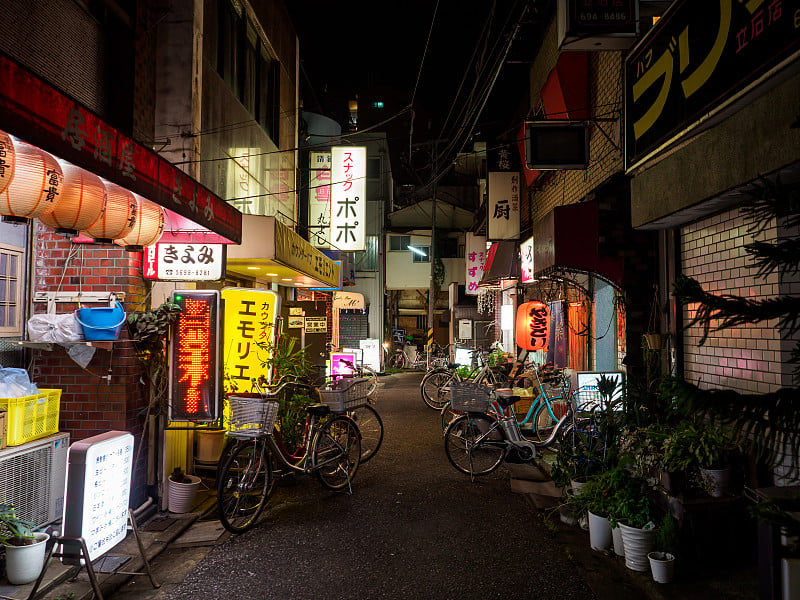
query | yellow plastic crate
[31, 417]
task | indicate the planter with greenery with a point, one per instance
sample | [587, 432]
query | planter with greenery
[24, 548]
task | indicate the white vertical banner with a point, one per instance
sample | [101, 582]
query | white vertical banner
[474, 257]
[348, 198]
[503, 205]
[526, 261]
[319, 199]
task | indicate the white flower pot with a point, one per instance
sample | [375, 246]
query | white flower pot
[619, 545]
[182, 495]
[637, 542]
[599, 532]
[662, 565]
[24, 563]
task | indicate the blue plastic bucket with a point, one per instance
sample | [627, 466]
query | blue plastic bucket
[101, 323]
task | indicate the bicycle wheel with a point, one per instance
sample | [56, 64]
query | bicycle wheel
[448, 414]
[435, 388]
[336, 452]
[468, 450]
[243, 485]
[371, 427]
[371, 376]
[397, 360]
[543, 421]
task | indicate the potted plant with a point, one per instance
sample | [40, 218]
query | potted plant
[182, 491]
[662, 558]
[25, 548]
[633, 512]
[701, 447]
[597, 501]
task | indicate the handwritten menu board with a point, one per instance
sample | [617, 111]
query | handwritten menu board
[98, 491]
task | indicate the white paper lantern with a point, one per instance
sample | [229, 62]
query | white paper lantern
[6, 160]
[149, 226]
[119, 217]
[36, 186]
[82, 201]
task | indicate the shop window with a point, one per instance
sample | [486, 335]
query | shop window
[10, 291]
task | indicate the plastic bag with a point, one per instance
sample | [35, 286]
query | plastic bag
[15, 383]
[51, 327]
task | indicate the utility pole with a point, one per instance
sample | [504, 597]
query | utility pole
[432, 255]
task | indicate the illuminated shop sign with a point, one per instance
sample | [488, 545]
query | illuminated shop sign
[184, 262]
[194, 367]
[348, 198]
[533, 326]
[249, 325]
[503, 205]
[98, 491]
[526, 261]
[475, 259]
[319, 199]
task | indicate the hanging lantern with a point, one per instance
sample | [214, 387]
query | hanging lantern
[82, 201]
[148, 229]
[6, 160]
[533, 325]
[119, 217]
[36, 186]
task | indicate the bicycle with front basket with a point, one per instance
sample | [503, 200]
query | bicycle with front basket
[330, 449]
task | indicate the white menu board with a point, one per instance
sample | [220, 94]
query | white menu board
[98, 492]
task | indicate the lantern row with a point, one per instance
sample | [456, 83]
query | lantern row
[34, 184]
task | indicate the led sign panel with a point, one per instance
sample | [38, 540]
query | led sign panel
[98, 491]
[348, 198]
[194, 364]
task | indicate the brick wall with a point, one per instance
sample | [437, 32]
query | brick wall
[746, 358]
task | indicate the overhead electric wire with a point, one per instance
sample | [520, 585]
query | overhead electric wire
[419, 75]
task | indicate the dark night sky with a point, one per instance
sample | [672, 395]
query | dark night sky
[347, 47]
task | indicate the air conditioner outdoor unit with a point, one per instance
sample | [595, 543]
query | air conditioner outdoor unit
[33, 478]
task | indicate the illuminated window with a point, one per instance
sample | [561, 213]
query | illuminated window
[10, 290]
[418, 258]
[377, 104]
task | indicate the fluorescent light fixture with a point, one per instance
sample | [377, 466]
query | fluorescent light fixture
[272, 274]
[417, 251]
[253, 268]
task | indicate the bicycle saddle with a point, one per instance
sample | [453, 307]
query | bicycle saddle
[506, 401]
[318, 410]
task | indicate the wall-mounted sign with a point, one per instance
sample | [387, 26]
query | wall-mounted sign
[316, 324]
[296, 311]
[194, 364]
[503, 205]
[295, 322]
[319, 199]
[184, 262]
[249, 333]
[475, 257]
[526, 261]
[98, 491]
[533, 325]
[348, 198]
[44, 117]
[347, 300]
[694, 61]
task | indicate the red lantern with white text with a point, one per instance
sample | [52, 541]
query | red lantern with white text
[82, 201]
[6, 160]
[119, 217]
[149, 226]
[36, 186]
[533, 325]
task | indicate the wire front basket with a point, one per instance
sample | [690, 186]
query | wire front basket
[587, 400]
[468, 396]
[345, 394]
[252, 416]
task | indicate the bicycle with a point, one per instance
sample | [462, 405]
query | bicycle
[330, 449]
[357, 407]
[478, 441]
[435, 385]
[401, 360]
[362, 372]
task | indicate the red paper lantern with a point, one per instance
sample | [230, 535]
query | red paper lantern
[533, 325]
[82, 201]
[35, 187]
[119, 217]
[149, 226]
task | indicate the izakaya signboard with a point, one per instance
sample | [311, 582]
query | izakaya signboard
[184, 262]
[526, 261]
[475, 257]
[503, 205]
[249, 326]
[194, 364]
[319, 199]
[348, 198]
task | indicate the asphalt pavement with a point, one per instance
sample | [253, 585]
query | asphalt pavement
[413, 528]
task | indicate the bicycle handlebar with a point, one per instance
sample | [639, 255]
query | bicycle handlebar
[270, 393]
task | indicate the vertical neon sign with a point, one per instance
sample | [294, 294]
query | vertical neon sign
[194, 364]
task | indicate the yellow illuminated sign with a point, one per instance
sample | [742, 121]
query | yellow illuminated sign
[249, 334]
